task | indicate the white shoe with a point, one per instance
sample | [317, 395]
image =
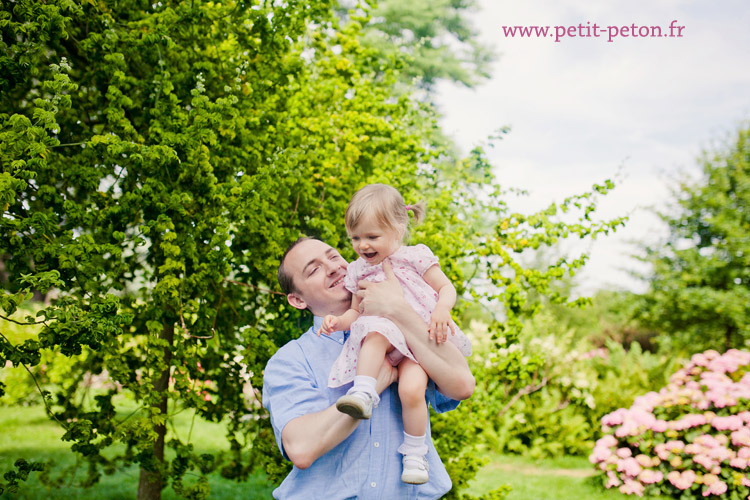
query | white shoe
[416, 470]
[357, 405]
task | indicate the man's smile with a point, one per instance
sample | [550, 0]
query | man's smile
[337, 282]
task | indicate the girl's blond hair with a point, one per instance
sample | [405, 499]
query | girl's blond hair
[386, 205]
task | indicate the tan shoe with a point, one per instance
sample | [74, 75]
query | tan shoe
[357, 405]
[416, 470]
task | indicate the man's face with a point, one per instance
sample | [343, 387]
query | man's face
[318, 273]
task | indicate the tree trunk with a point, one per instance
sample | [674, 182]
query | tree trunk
[730, 331]
[151, 482]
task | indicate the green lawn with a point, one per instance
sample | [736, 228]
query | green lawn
[26, 432]
[566, 478]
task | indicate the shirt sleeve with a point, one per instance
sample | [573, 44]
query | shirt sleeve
[290, 390]
[438, 401]
[423, 258]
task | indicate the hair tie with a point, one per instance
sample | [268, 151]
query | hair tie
[409, 207]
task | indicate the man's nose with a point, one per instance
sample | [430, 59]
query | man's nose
[331, 267]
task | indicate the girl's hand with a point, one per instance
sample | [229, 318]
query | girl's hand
[329, 325]
[440, 323]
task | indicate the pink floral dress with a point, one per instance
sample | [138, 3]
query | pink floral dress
[409, 264]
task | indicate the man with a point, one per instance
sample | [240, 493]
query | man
[336, 456]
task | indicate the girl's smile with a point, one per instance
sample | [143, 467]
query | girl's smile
[374, 242]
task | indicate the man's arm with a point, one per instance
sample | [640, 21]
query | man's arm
[443, 363]
[310, 436]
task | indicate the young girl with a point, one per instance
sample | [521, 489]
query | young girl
[377, 220]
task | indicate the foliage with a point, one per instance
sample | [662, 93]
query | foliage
[689, 440]
[699, 293]
[436, 37]
[158, 157]
[557, 411]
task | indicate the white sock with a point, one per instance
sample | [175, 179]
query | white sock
[413, 445]
[363, 383]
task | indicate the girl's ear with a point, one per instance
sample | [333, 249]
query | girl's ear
[401, 231]
[296, 301]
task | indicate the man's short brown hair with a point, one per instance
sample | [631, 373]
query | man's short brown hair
[286, 281]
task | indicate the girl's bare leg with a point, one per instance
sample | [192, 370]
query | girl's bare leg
[412, 382]
[372, 353]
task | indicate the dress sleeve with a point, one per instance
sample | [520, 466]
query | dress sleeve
[289, 390]
[351, 281]
[422, 258]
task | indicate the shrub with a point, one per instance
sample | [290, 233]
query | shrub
[556, 410]
[689, 440]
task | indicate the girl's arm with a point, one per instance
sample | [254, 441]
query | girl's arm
[440, 321]
[443, 363]
[333, 323]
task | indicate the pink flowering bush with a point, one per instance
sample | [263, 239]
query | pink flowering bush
[689, 440]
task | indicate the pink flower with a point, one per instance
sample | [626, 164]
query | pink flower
[688, 421]
[738, 463]
[675, 445]
[731, 423]
[607, 441]
[743, 453]
[613, 481]
[600, 454]
[682, 480]
[624, 452]
[661, 451]
[614, 418]
[717, 488]
[650, 476]
[643, 460]
[659, 426]
[632, 487]
[704, 460]
[741, 437]
[629, 466]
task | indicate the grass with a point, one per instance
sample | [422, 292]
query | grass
[28, 433]
[566, 478]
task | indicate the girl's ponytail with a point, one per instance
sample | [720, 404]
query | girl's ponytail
[418, 210]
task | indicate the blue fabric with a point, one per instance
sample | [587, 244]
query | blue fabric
[366, 465]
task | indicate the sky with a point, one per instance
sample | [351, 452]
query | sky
[638, 110]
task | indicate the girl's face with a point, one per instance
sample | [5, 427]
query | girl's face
[373, 242]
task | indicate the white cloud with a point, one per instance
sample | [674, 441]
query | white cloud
[583, 109]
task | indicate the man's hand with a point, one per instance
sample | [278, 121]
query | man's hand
[440, 323]
[379, 299]
[329, 325]
[387, 375]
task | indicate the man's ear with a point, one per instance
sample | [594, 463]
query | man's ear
[296, 301]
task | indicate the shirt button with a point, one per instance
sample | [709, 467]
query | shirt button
[372, 484]
[376, 444]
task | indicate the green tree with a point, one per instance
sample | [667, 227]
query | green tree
[156, 160]
[436, 36]
[699, 294]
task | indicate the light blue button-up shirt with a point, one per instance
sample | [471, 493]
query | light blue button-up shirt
[366, 465]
